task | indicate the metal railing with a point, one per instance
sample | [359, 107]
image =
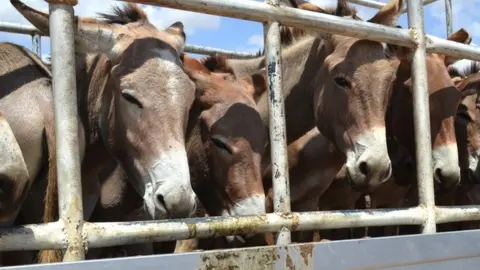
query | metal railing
[74, 234]
[37, 35]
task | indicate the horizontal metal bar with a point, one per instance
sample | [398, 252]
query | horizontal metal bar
[368, 3]
[447, 214]
[33, 237]
[209, 50]
[261, 12]
[257, 11]
[30, 30]
[455, 49]
[18, 29]
[379, 5]
[104, 234]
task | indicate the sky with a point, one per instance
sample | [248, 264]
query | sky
[240, 35]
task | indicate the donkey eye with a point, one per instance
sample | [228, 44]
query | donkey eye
[221, 143]
[342, 82]
[127, 95]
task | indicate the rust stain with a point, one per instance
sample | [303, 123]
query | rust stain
[251, 259]
[237, 226]
[289, 262]
[192, 230]
[306, 253]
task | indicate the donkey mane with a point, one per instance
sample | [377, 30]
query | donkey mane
[217, 63]
[456, 71]
[129, 13]
[290, 35]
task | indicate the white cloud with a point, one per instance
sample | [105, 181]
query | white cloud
[161, 17]
[465, 15]
[255, 40]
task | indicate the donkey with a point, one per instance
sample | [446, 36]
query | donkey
[225, 141]
[134, 78]
[14, 173]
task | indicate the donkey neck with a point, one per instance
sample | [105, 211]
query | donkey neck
[301, 64]
[95, 102]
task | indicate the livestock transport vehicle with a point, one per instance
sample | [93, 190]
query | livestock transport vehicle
[428, 250]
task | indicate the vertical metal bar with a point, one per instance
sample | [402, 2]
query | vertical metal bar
[66, 127]
[449, 17]
[278, 142]
[37, 45]
[421, 114]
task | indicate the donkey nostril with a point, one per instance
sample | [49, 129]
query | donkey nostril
[161, 200]
[363, 167]
[438, 173]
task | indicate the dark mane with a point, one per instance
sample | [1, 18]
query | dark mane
[217, 63]
[473, 68]
[129, 13]
[290, 35]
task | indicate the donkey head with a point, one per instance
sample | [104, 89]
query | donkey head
[233, 135]
[146, 113]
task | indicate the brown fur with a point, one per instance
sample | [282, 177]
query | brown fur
[51, 212]
[109, 98]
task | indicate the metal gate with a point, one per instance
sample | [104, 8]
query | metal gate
[74, 235]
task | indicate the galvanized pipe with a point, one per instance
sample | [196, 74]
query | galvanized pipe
[379, 5]
[368, 3]
[257, 11]
[126, 233]
[421, 115]
[66, 129]
[261, 12]
[37, 45]
[277, 128]
[18, 29]
[102, 234]
[447, 214]
[455, 49]
[30, 30]
[43, 236]
[449, 17]
[209, 50]
[33, 237]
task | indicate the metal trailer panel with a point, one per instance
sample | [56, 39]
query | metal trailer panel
[451, 250]
[64, 87]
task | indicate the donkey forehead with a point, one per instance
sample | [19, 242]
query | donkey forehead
[155, 36]
[356, 54]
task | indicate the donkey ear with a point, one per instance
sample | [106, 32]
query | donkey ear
[470, 85]
[90, 35]
[177, 30]
[389, 13]
[461, 36]
[194, 68]
[259, 82]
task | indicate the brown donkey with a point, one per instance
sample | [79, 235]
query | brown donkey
[132, 92]
[343, 85]
[225, 141]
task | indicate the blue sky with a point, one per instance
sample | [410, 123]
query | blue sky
[240, 35]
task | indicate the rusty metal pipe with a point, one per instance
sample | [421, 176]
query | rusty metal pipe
[66, 129]
[277, 128]
[421, 115]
